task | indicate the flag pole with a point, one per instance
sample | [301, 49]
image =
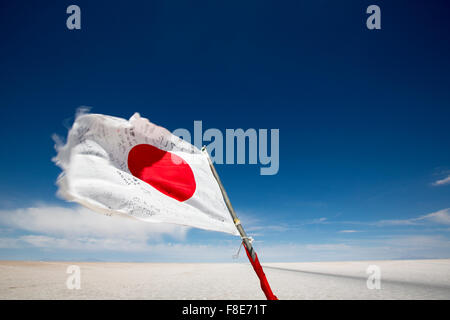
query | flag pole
[251, 254]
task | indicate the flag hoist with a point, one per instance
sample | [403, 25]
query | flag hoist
[251, 254]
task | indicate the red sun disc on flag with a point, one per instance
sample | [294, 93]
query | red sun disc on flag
[163, 170]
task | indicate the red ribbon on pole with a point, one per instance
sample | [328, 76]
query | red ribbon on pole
[262, 277]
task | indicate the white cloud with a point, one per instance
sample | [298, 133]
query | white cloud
[439, 217]
[9, 243]
[80, 228]
[397, 222]
[442, 181]
[327, 247]
[253, 223]
[83, 222]
[79, 233]
[84, 244]
[395, 247]
[268, 228]
[317, 221]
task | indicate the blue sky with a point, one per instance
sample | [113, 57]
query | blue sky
[363, 118]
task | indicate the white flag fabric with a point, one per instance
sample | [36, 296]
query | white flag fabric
[138, 169]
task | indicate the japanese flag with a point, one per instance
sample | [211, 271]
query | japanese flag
[137, 169]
